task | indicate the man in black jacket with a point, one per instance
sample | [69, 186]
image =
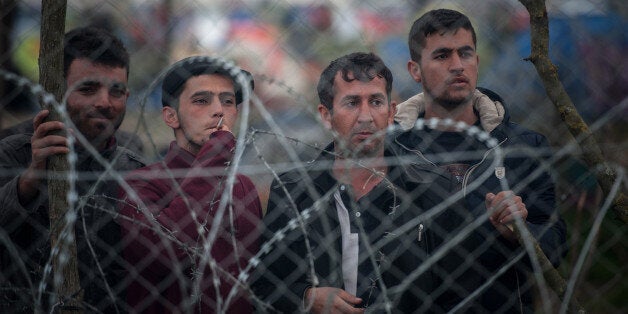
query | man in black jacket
[518, 190]
[353, 230]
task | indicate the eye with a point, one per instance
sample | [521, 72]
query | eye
[377, 102]
[117, 90]
[227, 101]
[88, 89]
[200, 101]
[441, 57]
[466, 54]
[351, 103]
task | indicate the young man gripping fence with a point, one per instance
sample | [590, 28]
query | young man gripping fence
[444, 60]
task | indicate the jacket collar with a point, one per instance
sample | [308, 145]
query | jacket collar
[178, 158]
[488, 105]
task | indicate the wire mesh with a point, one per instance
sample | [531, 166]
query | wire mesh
[285, 45]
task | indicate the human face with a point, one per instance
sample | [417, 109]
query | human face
[97, 99]
[448, 68]
[205, 99]
[361, 112]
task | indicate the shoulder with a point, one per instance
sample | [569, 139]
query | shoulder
[16, 148]
[519, 135]
[128, 159]
[246, 182]
[306, 173]
[16, 141]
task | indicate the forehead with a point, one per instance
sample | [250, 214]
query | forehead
[208, 82]
[84, 69]
[450, 39]
[355, 87]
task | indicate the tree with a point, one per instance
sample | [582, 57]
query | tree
[65, 265]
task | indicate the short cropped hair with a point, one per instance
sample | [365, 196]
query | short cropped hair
[438, 21]
[95, 44]
[181, 71]
[364, 67]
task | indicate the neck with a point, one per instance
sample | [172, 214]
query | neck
[100, 146]
[462, 113]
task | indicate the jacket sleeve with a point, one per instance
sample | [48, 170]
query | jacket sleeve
[543, 219]
[248, 218]
[281, 278]
[14, 158]
[177, 210]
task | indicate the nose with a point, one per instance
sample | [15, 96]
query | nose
[216, 111]
[456, 63]
[101, 98]
[364, 114]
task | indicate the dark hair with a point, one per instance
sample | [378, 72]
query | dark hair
[441, 21]
[180, 72]
[95, 44]
[364, 67]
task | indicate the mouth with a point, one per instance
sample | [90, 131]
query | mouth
[363, 134]
[97, 116]
[459, 80]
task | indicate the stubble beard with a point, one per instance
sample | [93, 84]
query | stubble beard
[98, 133]
[446, 99]
[369, 148]
[192, 145]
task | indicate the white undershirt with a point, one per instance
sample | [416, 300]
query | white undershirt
[350, 247]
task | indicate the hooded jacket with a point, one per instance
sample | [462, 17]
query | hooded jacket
[524, 170]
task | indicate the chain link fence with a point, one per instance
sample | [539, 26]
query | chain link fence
[286, 45]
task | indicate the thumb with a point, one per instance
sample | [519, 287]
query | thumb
[488, 202]
[349, 298]
[489, 198]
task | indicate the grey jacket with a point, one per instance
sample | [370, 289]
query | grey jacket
[24, 230]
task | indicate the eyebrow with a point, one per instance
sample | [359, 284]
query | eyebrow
[371, 96]
[226, 94]
[203, 93]
[377, 95]
[90, 83]
[350, 97]
[100, 83]
[449, 50]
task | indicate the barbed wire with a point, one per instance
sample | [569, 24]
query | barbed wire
[287, 153]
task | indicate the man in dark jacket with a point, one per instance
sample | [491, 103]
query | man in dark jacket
[96, 66]
[354, 229]
[187, 239]
[518, 190]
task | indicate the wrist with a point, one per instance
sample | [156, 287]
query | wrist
[27, 187]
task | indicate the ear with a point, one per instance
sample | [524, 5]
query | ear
[415, 71]
[170, 116]
[325, 115]
[393, 112]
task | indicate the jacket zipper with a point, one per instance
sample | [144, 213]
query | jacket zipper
[418, 152]
[467, 175]
[420, 236]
